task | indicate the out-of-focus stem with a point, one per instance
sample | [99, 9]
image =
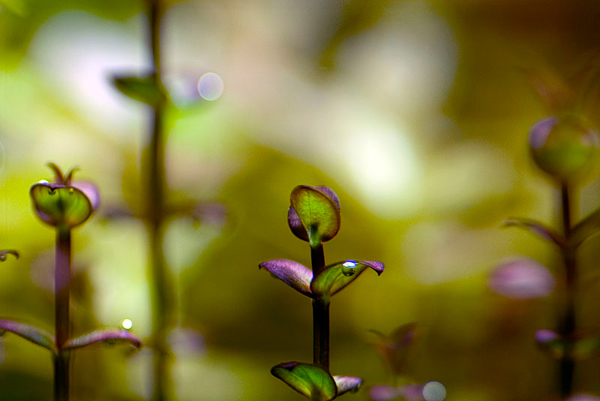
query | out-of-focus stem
[320, 314]
[162, 286]
[567, 320]
[62, 286]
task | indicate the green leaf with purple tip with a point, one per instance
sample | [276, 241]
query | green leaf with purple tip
[339, 275]
[109, 336]
[143, 89]
[318, 212]
[347, 384]
[312, 381]
[59, 205]
[30, 333]
[292, 273]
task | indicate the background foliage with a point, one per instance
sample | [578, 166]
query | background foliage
[415, 112]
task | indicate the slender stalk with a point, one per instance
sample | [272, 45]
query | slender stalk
[62, 289]
[162, 286]
[320, 314]
[567, 321]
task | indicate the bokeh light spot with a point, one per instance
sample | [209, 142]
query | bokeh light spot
[210, 86]
[434, 391]
[127, 324]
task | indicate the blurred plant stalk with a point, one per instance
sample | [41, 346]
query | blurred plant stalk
[155, 183]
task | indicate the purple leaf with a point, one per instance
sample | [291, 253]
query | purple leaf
[347, 383]
[108, 336]
[30, 333]
[292, 273]
[522, 279]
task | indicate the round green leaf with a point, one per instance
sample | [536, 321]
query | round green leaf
[563, 148]
[311, 381]
[60, 205]
[317, 211]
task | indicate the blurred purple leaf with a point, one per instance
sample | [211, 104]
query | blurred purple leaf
[538, 229]
[108, 336]
[292, 273]
[550, 342]
[30, 333]
[383, 393]
[521, 279]
[583, 397]
[347, 383]
[412, 392]
[8, 252]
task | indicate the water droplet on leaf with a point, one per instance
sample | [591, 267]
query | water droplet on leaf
[349, 268]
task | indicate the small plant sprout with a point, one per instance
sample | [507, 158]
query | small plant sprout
[564, 147]
[314, 217]
[64, 205]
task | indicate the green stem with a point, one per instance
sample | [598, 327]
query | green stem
[567, 321]
[162, 286]
[62, 283]
[320, 314]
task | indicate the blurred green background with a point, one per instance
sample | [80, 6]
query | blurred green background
[415, 112]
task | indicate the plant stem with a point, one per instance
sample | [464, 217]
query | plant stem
[62, 289]
[320, 314]
[161, 291]
[567, 321]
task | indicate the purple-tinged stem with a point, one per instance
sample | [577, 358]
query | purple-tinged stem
[567, 324]
[320, 314]
[62, 289]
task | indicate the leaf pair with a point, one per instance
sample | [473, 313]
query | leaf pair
[331, 280]
[64, 204]
[394, 348]
[314, 382]
[556, 345]
[48, 341]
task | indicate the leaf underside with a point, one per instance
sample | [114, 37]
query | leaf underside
[107, 336]
[30, 333]
[292, 273]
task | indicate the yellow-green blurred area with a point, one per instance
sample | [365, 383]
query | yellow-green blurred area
[415, 112]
